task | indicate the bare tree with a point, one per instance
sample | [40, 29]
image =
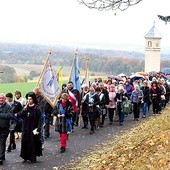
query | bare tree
[109, 4]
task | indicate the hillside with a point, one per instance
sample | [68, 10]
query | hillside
[106, 61]
[144, 147]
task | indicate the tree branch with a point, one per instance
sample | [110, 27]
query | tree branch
[109, 4]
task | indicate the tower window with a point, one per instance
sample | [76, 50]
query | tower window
[149, 43]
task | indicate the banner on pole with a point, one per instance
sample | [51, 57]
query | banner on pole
[49, 85]
[74, 75]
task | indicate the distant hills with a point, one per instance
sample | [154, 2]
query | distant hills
[34, 53]
[102, 60]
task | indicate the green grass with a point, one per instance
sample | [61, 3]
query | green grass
[27, 87]
[12, 87]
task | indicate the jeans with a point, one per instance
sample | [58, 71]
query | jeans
[121, 115]
[145, 108]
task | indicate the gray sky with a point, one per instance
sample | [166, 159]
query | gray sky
[68, 22]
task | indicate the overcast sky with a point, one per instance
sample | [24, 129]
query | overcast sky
[68, 22]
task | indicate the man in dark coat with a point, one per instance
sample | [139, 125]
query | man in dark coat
[16, 125]
[74, 97]
[5, 116]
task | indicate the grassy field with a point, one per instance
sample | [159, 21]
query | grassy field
[28, 86]
[12, 87]
[24, 69]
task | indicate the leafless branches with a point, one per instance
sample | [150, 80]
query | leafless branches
[109, 4]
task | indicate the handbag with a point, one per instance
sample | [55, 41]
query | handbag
[99, 111]
[162, 97]
[12, 126]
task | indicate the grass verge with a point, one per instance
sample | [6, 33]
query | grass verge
[144, 147]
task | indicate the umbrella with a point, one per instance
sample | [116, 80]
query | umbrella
[153, 72]
[121, 75]
[136, 77]
[115, 77]
[142, 73]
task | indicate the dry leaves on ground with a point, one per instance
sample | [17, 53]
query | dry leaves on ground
[144, 147]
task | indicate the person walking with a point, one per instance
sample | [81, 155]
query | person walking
[106, 96]
[112, 104]
[155, 97]
[121, 96]
[84, 106]
[74, 97]
[31, 145]
[136, 99]
[146, 98]
[5, 116]
[63, 111]
[92, 100]
[15, 125]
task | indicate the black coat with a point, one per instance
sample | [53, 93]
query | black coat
[106, 95]
[96, 101]
[5, 116]
[146, 94]
[16, 108]
[84, 104]
[155, 94]
[31, 145]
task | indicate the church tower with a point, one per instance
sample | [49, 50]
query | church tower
[152, 50]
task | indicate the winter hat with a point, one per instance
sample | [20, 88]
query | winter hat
[32, 95]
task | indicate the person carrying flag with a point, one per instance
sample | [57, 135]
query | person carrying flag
[74, 97]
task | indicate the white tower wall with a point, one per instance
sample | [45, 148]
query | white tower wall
[152, 50]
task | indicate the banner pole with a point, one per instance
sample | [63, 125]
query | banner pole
[44, 66]
[74, 59]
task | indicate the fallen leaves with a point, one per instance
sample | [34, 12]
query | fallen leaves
[146, 146]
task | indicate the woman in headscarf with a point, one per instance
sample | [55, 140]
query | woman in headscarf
[31, 145]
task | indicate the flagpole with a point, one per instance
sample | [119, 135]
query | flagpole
[44, 66]
[74, 59]
[86, 73]
[86, 76]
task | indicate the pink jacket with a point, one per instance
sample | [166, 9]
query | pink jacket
[112, 103]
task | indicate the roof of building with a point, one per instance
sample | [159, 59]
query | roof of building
[153, 33]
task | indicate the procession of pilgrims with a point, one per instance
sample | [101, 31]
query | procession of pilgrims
[99, 103]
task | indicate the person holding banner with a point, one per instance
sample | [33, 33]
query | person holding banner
[63, 111]
[74, 97]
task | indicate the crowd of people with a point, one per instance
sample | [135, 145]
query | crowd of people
[116, 98]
